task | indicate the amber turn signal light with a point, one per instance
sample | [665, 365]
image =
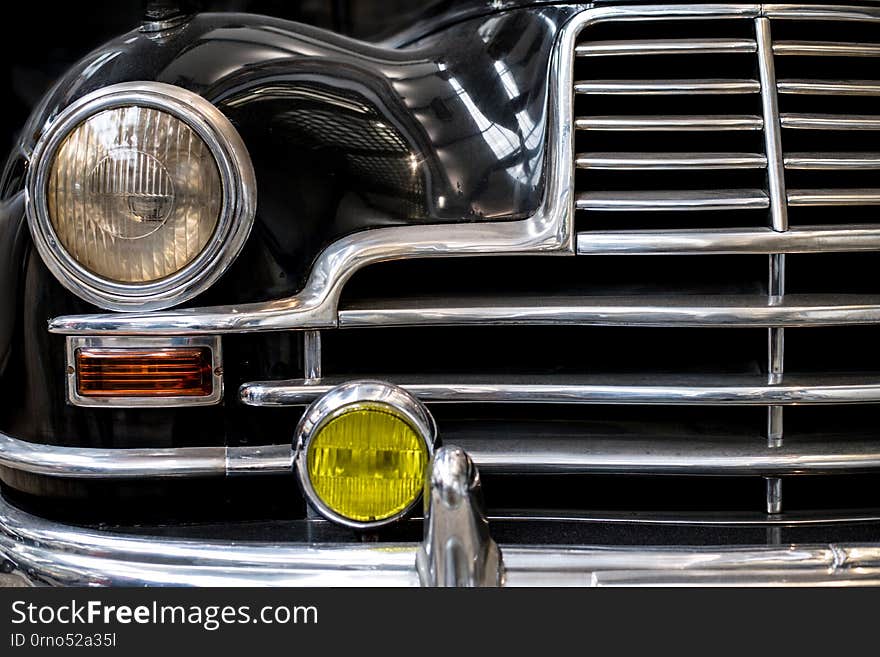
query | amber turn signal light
[166, 372]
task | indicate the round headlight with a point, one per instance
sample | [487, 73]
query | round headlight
[141, 195]
[362, 452]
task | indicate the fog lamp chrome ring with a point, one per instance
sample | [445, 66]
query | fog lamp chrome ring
[360, 395]
[237, 205]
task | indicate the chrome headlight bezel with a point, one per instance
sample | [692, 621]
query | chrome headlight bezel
[329, 406]
[238, 203]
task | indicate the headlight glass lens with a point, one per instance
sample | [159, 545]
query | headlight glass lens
[367, 463]
[134, 194]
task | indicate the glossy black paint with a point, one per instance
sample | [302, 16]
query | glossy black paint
[344, 135]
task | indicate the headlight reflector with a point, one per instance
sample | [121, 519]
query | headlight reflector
[362, 453]
[134, 194]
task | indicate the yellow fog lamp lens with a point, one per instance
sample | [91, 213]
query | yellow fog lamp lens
[363, 452]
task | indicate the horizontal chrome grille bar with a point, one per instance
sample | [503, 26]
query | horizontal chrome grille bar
[829, 88]
[689, 519]
[668, 87]
[668, 201]
[596, 389]
[142, 463]
[826, 49]
[670, 161]
[833, 197]
[598, 455]
[666, 47]
[644, 310]
[730, 240]
[829, 122]
[498, 453]
[832, 161]
[670, 123]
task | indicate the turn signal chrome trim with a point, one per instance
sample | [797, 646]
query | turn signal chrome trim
[369, 473]
[133, 372]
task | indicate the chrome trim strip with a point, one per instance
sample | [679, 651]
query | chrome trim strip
[46, 552]
[826, 49]
[626, 455]
[820, 12]
[644, 310]
[73, 344]
[236, 214]
[807, 239]
[596, 389]
[250, 459]
[832, 161]
[508, 454]
[100, 463]
[670, 123]
[665, 47]
[830, 87]
[833, 197]
[829, 122]
[672, 201]
[697, 519]
[668, 87]
[670, 161]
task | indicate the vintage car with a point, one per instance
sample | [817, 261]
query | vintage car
[250, 332]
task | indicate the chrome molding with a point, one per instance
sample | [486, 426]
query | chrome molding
[666, 47]
[628, 455]
[687, 519]
[670, 161]
[817, 239]
[143, 463]
[74, 343]
[833, 161]
[109, 463]
[737, 456]
[46, 552]
[236, 214]
[672, 201]
[668, 87]
[671, 123]
[596, 389]
[645, 310]
[333, 403]
[825, 49]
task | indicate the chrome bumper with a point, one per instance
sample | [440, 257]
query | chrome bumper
[457, 550]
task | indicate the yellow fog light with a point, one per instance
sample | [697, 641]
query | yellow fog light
[362, 452]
